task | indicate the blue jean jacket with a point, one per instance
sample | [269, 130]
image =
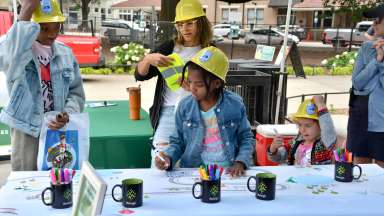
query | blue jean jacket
[368, 79]
[235, 130]
[24, 110]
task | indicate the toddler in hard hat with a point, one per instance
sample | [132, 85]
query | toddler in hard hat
[316, 139]
[42, 76]
[211, 124]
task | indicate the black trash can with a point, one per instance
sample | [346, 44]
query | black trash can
[274, 71]
[254, 88]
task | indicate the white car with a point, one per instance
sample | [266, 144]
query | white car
[224, 29]
[263, 35]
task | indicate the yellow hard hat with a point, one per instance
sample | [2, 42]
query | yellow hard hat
[213, 60]
[307, 109]
[188, 9]
[48, 11]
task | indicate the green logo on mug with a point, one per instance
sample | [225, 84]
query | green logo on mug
[131, 195]
[214, 191]
[340, 170]
[262, 187]
[67, 194]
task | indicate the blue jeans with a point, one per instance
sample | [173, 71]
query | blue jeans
[164, 130]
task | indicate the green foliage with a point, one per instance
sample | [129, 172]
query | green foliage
[343, 60]
[105, 71]
[354, 8]
[312, 71]
[347, 70]
[129, 54]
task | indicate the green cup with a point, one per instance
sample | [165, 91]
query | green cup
[265, 186]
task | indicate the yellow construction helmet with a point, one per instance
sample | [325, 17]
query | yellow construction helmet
[307, 109]
[48, 11]
[213, 60]
[188, 9]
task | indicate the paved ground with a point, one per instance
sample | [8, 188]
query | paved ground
[113, 87]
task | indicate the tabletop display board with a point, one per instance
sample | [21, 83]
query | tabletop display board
[299, 191]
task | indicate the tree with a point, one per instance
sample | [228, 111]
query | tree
[353, 7]
[167, 16]
[84, 12]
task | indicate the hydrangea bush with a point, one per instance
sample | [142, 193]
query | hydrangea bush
[343, 60]
[129, 54]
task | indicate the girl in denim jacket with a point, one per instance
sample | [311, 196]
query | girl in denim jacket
[211, 124]
[42, 76]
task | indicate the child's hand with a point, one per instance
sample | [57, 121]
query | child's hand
[162, 161]
[236, 170]
[319, 102]
[276, 144]
[60, 121]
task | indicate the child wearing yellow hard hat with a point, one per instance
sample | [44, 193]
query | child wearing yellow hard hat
[42, 76]
[316, 139]
[211, 124]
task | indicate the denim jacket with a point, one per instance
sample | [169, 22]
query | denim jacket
[24, 110]
[235, 130]
[368, 79]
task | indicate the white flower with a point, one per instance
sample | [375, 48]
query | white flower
[334, 65]
[128, 63]
[337, 56]
[324, 62]
[147, 51]
[113, 49]
[355, 55]
[125, 46]
[352, 61]
[126, 57]
[345, 53]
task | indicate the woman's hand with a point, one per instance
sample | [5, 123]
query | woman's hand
[379, 46]
[184, 85]
[158, 60]
[60, 121]
[236, 170]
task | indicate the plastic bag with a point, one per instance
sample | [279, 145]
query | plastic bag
[64, 148]
[4, 97]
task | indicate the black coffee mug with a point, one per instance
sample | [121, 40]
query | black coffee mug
[132, 193]
[61, 196]
[265, 186]
[344, 171]
[210, 191]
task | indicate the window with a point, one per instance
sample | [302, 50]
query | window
[125, 15]
[102, 14]
[255, 16]
[96, 10]
[328, 16]
[109, 11]
[229, 15]
[282, 15]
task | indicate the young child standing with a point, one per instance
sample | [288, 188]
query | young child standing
[316, 139]
[42, 75]
[211, 124]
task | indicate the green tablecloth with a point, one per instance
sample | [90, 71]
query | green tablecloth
[117, 141]
[5, 138]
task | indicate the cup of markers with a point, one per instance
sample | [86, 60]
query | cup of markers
[344, 166]
[210, 185]
[61, 188]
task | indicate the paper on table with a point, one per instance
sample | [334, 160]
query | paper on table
[100, 104]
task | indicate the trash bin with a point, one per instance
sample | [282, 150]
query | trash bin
[274, 71]
[264, 138]
[254, 88]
